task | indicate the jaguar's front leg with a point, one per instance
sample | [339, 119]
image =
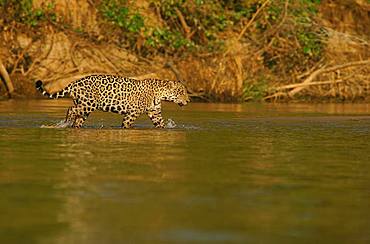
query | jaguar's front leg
[129, 119]
[156, 117]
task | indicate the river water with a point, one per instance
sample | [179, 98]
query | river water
[253, 173]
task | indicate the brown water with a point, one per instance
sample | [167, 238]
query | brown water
[254, 173]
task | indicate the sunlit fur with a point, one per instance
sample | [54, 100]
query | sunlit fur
[126, 96]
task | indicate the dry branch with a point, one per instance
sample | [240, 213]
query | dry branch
[308, 72]
[310, 84]
[326, 70]
[277, 27]
[183, 23]
[7, 81]
[72, 54]
[20, 57]
[309, 80]
[252, 19]
[172, 67]
[40, 58]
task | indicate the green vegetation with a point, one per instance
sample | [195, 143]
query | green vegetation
[23, 12]
[289, 39]
[300, 18]
[205, 25]
[117, 12]
[255, 91]
[184, 25]
[307, 35]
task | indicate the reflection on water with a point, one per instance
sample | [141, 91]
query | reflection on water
[139, 149]
[263, 173]
[98, 161]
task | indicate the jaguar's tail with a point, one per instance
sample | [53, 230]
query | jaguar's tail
[40, 87]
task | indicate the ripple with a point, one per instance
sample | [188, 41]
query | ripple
[60, 124]
[170, 124]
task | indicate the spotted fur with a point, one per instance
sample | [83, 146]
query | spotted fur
[126, 96]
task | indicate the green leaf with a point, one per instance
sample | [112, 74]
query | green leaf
[307, 50]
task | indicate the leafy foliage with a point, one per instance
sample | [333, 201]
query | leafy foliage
[255, 91]
[119, 13]
[23, 12]
[297, 42]
[186, 25]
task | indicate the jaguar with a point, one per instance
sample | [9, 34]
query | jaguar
[126, 96]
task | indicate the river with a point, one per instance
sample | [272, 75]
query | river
[221, 173]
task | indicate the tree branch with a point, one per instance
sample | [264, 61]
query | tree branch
[252, 19]
[323, 70]
[8, 83]
[309, 80]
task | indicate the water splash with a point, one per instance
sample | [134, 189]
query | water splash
[60, 124]
[171, 124]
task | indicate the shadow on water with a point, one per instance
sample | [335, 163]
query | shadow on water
[226, 173]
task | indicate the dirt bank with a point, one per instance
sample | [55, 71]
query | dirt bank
[273, 52]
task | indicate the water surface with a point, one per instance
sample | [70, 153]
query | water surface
[265, 173]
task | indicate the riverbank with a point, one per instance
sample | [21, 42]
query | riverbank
[226, 52]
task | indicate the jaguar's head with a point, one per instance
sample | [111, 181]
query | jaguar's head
[175, 91]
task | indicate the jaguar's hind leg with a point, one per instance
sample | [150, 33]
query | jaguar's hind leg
[76, 116]
[156, 117]
[71, 116]
[129, 119]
